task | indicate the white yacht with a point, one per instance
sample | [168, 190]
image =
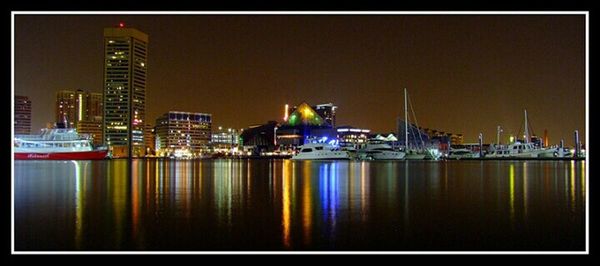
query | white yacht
[379, 151]
[414, 155]
[520, 150]
[320, 151]
[462, 153]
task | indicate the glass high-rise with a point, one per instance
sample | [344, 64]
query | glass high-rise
[125, 66]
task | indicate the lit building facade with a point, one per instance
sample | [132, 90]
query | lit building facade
[74, 106]
[150, 139]
[303, 125]
[442, 138]
[225, 139]
[93, 128]
[327, 111]
[22, 121]
[71, 107]
[94, 106]
[352, 136]
[125, 67]
[183, 131]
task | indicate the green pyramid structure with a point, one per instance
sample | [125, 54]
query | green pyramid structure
[305, 115]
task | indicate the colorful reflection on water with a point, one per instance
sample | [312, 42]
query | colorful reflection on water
[299, 205]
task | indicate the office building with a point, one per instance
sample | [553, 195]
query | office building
[22, 121]
[223, 139]
[74, 106]
[92, 128]
[125, 66]
[150, 139]
[71, 107]
[183, 132]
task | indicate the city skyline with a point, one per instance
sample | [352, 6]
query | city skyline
[227, 65]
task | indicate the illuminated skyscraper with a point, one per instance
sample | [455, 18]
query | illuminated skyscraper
[22, 115]
[125, 51]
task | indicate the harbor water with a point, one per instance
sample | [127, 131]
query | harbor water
[285, 205]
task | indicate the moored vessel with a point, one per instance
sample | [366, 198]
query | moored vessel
[57, 144]
[320, 151]
[379, 151]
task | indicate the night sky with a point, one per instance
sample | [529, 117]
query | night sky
[464, 74]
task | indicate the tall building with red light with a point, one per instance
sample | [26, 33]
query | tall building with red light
[125, 66]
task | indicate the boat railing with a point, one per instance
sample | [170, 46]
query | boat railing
[27, 137]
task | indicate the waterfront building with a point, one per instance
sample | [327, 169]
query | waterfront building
[352, 136]
[441, 138]
[389, 138]
[456, 139]
[70, 107]
[225, 139]
[93, 128]
[327, 111]
[125, 66]
[260, 137]
[94, 106]
[183, 132]
[304, 125]
[78, 105]
[22, 117]
[150, 139]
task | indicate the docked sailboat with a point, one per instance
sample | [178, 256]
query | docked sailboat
[420, 152]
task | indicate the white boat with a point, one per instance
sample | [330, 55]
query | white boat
[320, 151]
[379, 151]
[462, 153]
[57, 144]
[520, 150]
[414, 155]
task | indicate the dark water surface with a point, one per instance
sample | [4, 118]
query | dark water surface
[299, 205]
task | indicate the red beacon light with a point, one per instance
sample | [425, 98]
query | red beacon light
[121, 25]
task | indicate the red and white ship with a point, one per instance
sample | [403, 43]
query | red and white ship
[57, 144]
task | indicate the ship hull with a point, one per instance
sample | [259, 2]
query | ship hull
[80, 155]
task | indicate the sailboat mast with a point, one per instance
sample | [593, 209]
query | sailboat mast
[405, 121]
[526, 128]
